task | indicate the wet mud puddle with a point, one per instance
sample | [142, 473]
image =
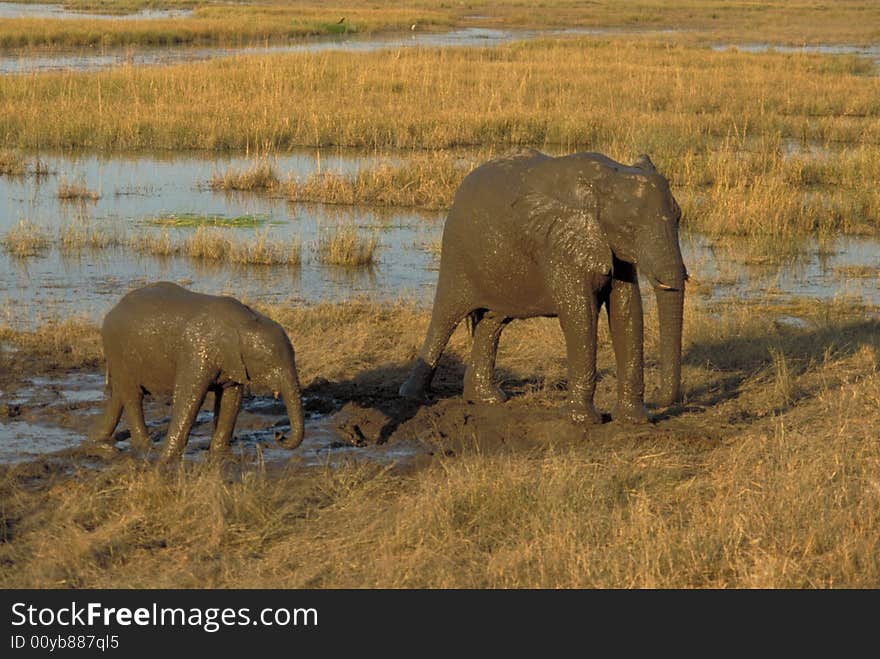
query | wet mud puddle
[50, 417]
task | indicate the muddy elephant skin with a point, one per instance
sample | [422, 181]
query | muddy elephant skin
[532, 235]
[164, 339]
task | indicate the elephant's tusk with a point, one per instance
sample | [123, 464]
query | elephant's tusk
[666, 287]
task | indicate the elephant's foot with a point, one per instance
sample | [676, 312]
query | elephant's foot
[667, 398]
[99, 447]
[170, 455]
[630, 413]
[583, 413]
[481, 390]
[416, 385]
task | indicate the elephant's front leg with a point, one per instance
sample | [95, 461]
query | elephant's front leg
[190, 389]
[578, 313]
[478, 385]
[626, 325]
[226, 406]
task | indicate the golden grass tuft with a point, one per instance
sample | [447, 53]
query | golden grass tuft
[215, 244]
[14, 164]
[26, 239]
[260, 175]
[69, 190]
[81, 234]
[344, 245]
[422, 180]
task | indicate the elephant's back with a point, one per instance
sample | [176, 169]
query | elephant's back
[146, 324]
[496, 183]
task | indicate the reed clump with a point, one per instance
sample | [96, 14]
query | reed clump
[422, 180]
[260, 175]
[14, 164]
[25, 239]
[76, 190]
[83, 234]
[217, 245]
[344, 244]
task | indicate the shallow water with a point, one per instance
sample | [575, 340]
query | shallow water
[90, 60]
[136, 189]
[37, 10]
[52, 414]
[867, 52]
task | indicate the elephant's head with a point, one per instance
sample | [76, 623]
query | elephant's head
[262, 356]
[640, 219]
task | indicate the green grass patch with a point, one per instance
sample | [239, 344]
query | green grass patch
[202, 220]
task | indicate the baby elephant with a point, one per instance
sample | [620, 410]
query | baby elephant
[163, 338]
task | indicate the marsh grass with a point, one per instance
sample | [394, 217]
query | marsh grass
[82, 234]
[14, 164]
[538, 93]
[343, 244]
[76, 191]
[26, 239]
[801, 160]
[215, 244]
[157, 243]
[260, 175]
[230, 24]
[423, 180]
[741, 488]
[810, 21]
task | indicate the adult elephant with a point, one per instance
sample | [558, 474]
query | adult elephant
[531, 235]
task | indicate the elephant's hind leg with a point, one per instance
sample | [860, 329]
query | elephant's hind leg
[102, 431]
[478, 385]
[445, 317]
[133, 402]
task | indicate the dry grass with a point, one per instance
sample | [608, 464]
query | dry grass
[260, 175]
[423, 180]
[214, 244]
[810, 21]
[15, 164]
[343, 244]
[230, 25]
[574, 93]
[82, 234]
[749, 485]
[26, 239]
[76, 190]
[791, 150]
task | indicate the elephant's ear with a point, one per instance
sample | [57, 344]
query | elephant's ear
[644, 162]
[231, 355]
[568, 224]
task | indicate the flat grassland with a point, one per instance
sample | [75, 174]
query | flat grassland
[807, 21]
[765, 476]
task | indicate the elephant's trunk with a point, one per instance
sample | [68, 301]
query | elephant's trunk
[290, 392]
[670, 310]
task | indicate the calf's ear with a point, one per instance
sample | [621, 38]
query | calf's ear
[231, 356]
[644, 162]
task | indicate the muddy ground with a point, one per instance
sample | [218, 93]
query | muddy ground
[361, 418]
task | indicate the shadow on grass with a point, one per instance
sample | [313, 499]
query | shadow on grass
[741, 357]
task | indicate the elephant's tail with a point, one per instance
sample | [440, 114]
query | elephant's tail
[473, 318]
